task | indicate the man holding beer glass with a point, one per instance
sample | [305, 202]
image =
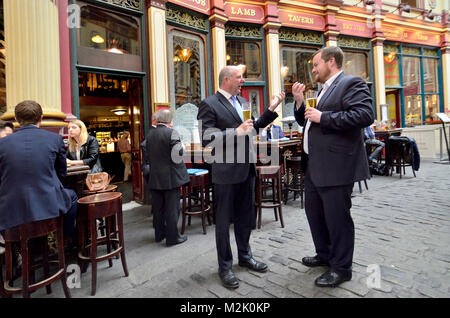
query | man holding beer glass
[333, 158]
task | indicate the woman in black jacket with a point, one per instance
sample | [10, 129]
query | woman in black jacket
[83, 149]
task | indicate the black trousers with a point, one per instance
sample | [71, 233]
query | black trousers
[166, 212]
[332, 228]
[235, 202]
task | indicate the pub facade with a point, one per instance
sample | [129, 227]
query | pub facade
[112, 63]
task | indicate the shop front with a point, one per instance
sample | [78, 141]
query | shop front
[109, 83]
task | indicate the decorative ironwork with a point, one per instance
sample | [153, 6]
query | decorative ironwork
[428, 52]
[300, 36]
[185, 19]
[410, 50]
[388, 48]
[344, 41]
[243, 31]
[129, 4]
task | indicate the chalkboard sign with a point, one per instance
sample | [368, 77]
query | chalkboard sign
[185, 122]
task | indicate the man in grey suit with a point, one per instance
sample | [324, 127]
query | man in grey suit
[221, 120]
[166, 178]
[334, 158]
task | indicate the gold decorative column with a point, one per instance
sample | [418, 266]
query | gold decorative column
[446, 78]
[271, 27]
[217, 21]
[159, 77]
[32, 58]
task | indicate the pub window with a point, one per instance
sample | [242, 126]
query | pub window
[187, 68]
[391, 70]
[431, 88]
[109, 39]
[356, 64]
[247, 53]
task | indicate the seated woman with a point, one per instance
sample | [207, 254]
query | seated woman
[83, 148]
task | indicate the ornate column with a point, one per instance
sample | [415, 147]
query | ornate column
[331, 29]
[271, 26]
[157, 38]
[217, 21]
[33, 58]
[378, 61]
[445, 56]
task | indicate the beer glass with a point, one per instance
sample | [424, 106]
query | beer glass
[246, 111]
[311, 99]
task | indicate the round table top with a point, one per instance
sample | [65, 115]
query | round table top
[99, 197]
[109, 188]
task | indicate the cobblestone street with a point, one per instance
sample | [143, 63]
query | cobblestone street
[402, 228]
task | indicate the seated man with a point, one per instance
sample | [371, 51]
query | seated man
[32, 164]
[369, 139]
[273, 131]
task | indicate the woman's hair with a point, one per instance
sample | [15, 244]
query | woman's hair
[83, 135]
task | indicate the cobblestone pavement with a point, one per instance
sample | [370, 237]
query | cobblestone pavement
[402, 228]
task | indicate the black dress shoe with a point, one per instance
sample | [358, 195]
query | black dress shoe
[179, 240]
[228, 279]
[254, 265]
[313, 261]
[331, 279]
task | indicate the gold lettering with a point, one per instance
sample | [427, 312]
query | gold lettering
[300, 19]
[247, 12]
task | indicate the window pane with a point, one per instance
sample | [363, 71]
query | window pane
[391, 70]
[430, 75]
[411, 75]
[431, 107]
[245, 53]
[187, 78]
[413, 110]
[356, 64]
[111, 32]
[296, 66]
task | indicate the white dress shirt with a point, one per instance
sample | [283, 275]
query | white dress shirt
[326, 85]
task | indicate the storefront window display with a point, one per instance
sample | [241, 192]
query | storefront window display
[356, 64]
[246, 53]
[187, 68]
[391, 70]
[413, 110]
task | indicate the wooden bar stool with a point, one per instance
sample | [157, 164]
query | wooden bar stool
[198, 189]
[90, 208]
[294, 179]
[273, 173]
[23, 234]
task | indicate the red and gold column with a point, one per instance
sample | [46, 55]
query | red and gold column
[271, 26]
[217, 21]
[445, 55]
[33, 58]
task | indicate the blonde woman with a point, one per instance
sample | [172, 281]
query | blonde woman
[83, 148]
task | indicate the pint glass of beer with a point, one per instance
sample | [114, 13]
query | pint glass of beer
[311, 99]
[246, 111]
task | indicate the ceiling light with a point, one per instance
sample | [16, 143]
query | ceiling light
[119, 111]
[96, 38]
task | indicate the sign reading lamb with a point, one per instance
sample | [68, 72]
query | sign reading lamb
[185, 122]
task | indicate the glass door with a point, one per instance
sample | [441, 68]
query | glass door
[136, 134]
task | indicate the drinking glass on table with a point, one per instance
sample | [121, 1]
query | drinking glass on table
[246, 111]
[311, 99]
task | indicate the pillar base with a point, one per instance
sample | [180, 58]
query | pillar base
[51, 119]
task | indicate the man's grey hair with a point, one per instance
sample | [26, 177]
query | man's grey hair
[164, 116]
[227, 71]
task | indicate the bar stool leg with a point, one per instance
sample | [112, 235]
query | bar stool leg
[45, 260]
[279, 199]
[121, 241]
[274, 194]
[62, 264]
[93, 255]
[259, 200]
[25, 268]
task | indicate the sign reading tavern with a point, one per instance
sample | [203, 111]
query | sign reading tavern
[301, 19]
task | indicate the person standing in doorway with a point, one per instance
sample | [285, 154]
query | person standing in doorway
[124, 147]
[334, 158]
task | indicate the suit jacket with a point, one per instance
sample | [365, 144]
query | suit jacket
[32, 162]
[145, 163]
[336, 149]
[219, 120]
[165, 157]
[89, 153]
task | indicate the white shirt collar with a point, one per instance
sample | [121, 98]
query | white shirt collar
[224, 93]
[331, 79]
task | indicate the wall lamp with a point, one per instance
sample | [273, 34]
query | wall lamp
[403, 7]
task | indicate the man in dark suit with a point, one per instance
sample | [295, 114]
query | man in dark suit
[334, 158]
[233, 173]
[32, 165]
[166, 177]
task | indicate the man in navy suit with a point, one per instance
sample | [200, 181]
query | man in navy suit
[32, 164]
[334, 158]
[221, 120]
